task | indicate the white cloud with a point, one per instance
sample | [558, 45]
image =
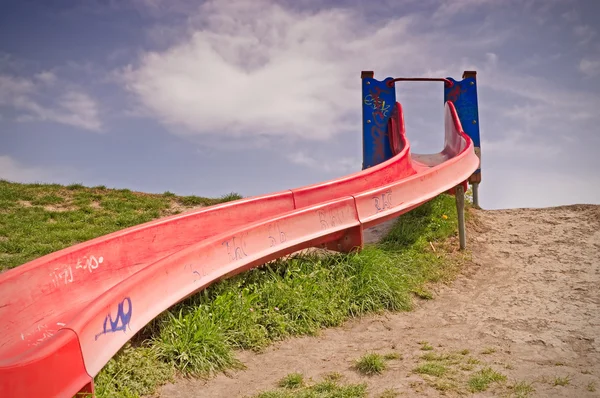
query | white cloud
[585, 33]
[70, 106]
[590, 67]
[333, 165]
[260, 69]
[46, 77]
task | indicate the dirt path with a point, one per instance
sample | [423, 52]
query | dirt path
[528, 305]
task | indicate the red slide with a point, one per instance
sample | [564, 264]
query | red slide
[66, 314]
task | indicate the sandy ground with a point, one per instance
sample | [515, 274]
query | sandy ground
[528, 305]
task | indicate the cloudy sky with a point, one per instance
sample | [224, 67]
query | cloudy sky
[257, 96]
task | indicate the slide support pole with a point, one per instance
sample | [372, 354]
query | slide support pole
[460, 209]
[475, 186]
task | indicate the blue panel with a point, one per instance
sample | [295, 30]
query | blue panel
[378, 103]
[464, 96]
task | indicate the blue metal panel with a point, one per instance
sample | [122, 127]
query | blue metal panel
[378, 101]
[464, 96]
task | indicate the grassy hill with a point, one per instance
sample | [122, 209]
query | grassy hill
[37, 219]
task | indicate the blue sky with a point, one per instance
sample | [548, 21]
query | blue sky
[258, 96]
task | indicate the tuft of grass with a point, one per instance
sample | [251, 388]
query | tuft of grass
[194, 344]
[391, 356]
[432, 369]
[133, 372]
[522, 389]
[591, 387]
[74, 187]
[561, 381]
[370, 364]
[481, 379]
[333, 376]
[324, 389]
[488, 351]
[389, 393]
[292, 380]
[425, 346]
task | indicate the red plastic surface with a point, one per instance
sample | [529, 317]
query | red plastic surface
[77, 307]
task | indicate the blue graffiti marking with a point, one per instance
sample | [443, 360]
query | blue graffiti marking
[235, 248]
[276, 236]
[121, 320]
[384, 201]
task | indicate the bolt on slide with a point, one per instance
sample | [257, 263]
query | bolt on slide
[66, 314]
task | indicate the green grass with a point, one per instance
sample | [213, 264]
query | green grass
[324, 389]
[432, 369]
[38, 219]
[561, 381]
[522, 389]
[292, 381]
[481, 379]
[370, 364]
[298, 296]
[133, 372]
[392, 356]
[389, 393]
[425, 346]
[591, 387]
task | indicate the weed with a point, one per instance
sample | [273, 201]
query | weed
[591, 387]
[194, 344]
[473, 361]
[488, 351]
[324, 389]
[291, 381]
[425, 346]
[74, 187]
[134, 372]
[432, 369]
[561, 381]
[522, 389]
[464, 352]
[333, 376]
[389, 393]
[392, 355]
[370, 364]
[481, 380]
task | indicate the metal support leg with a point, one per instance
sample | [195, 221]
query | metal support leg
[475, 186]
[460, 209]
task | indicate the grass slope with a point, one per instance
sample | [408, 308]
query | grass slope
[291, 297]
[38, 219]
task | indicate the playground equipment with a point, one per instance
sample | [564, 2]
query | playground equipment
[66, 314]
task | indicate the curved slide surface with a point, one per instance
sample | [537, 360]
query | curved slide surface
[66, 314]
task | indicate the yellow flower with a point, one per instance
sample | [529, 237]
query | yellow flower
[445, 217]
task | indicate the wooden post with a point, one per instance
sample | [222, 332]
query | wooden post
[460, 209]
